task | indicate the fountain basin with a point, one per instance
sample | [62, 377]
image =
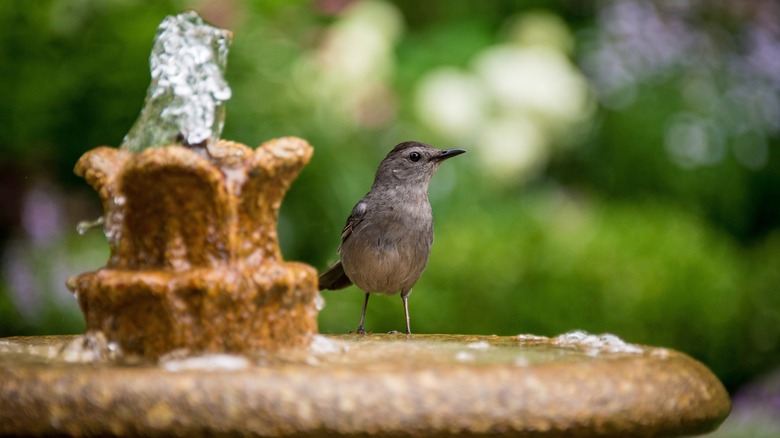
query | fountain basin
[380, 385]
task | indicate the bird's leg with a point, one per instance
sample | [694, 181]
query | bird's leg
[405, 299]
[363, 316]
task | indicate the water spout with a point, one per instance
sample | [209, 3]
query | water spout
[185, 102]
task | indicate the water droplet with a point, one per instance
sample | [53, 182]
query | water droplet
[532, 338]
[322, 345]
[464, 356]
[660, 352]
[521, 361]
[92, 346]
[222, 362]
[319, 302]
[479, 345]
[84, 226]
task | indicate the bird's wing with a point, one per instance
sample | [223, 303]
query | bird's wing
[355, 218]
[334, 277]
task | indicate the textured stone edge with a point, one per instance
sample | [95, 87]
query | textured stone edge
[228, 310]
[681, 397]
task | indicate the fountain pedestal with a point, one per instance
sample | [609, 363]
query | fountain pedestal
[378, 385]
[195, 264]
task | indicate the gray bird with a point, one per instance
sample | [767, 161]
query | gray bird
[388, 236]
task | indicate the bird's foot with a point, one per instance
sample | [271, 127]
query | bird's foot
[396, 332]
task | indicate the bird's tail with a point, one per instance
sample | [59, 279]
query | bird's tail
[334, 278]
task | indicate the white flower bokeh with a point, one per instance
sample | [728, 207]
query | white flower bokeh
[517, 100]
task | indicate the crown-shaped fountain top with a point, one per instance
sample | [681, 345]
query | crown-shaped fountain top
[191, 221]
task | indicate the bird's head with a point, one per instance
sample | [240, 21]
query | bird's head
[412, 162]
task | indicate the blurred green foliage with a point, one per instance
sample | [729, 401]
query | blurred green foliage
[611, 235]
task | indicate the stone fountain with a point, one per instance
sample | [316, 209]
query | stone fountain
[195, 263]
[196, 325]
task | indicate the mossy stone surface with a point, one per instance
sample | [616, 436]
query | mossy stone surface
[372, 385]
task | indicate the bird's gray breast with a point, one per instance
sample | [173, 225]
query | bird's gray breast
[388, 250]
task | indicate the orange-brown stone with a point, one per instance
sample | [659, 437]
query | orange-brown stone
[370, 385]
[195, 263]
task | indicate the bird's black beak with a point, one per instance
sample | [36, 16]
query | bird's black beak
[447, 153]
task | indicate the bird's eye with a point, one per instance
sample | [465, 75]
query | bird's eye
[415, 156]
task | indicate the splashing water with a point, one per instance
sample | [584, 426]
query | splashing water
[84, 226]
[479, 345]
[207, 362]
[595, 344]
[322, 345]
[464, 356]
[90, 347]
[185, 100]
[319, 302]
